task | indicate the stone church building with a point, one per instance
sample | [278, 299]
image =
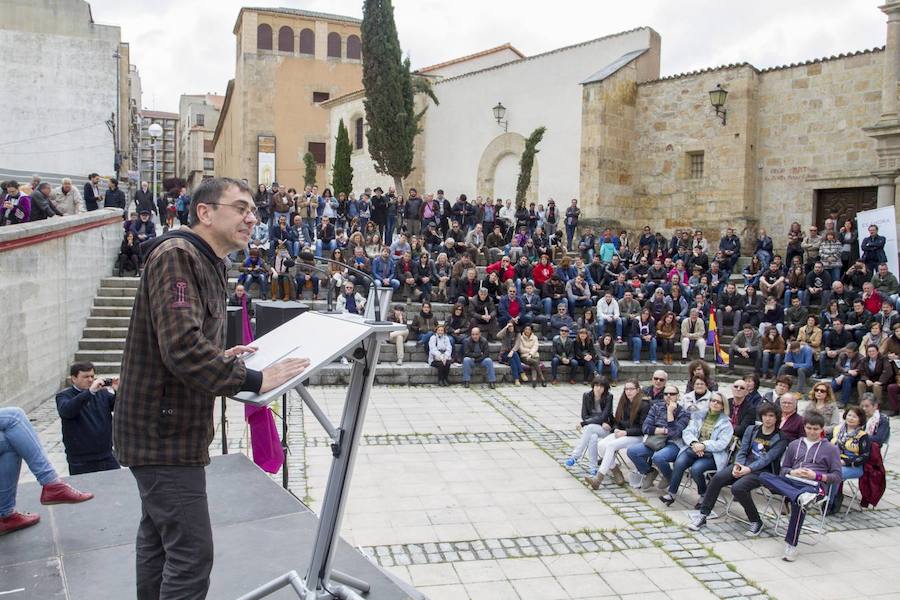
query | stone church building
[635, 148]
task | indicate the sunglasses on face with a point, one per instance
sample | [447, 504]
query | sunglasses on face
[670, 393]
[659, 379]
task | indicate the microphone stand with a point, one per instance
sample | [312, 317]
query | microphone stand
[373, 283]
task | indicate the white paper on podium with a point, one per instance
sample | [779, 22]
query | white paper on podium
[317, 336]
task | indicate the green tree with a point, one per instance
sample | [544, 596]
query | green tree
[342, 170]
[309, 169]
[390, 92]
[526, 163]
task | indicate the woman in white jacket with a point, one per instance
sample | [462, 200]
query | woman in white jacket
[440, 353]
[707, 439]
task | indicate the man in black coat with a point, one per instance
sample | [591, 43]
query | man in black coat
[41, 205]
[115, 198]
[143, 199]
[92, 192]
[86, 409]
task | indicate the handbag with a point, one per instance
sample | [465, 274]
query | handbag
[656, 442]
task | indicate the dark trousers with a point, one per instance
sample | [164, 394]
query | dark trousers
[740, 489]
[174, 548]
[93, 466]
[791, 490]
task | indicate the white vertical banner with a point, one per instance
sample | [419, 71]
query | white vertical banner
[886, 221]
[266, 158]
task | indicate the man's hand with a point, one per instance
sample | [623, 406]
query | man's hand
[115, 384]
[606, 427]
[281, 372]
[96, 385]
[240, 350]
[740, 470]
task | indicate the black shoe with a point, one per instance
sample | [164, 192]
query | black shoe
[756, 528]
[684, 361]
[698, 505]
[543, 383]
[466, 384]
[491, 385]
[534, 383]
[667, 499]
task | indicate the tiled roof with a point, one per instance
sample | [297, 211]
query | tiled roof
[506, 46]
[310, 14]
[767, 69]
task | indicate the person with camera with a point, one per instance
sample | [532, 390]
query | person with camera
[86, 409]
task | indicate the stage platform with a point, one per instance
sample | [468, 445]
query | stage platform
[86, 551]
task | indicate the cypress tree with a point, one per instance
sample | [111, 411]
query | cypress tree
[342, 171]
[309, 169]
[390, 91]
[526, 163]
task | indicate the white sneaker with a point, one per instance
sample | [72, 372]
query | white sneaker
[807, 499]
[790, 553]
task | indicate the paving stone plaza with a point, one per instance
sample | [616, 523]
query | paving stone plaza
[464, 493]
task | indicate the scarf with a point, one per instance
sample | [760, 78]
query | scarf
[267, 452]
[872, 422]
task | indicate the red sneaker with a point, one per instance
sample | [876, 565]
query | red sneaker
[63, 493]
[16, 521]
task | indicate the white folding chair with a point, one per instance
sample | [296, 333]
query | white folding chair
[812, 525]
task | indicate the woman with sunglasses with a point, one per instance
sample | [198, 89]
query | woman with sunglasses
[706, 440]
[822, 401]
[662, 437]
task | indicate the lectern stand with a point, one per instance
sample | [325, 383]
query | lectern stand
[324, 338]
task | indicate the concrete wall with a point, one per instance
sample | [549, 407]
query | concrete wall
[48, 290]
[62, 87]
[540, 90]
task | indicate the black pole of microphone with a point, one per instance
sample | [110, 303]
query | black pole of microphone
[373, 283]
[285, 478]
[329, 299]
[224, 427]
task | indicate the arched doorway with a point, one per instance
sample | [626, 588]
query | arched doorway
[499, 164]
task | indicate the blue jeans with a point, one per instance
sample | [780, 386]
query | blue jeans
[570, 235]
[637, 343]
[554, 367]
[515, 365]
[320, 246]
[309, 231]
[613, 367]
[389, 229]
[487, 363]
[550, 305]
[259, 278]
[688, 460]
[662, 458]
[846, 388]
[846, 473]
[19, 441]
[641, 455]
[776, 359]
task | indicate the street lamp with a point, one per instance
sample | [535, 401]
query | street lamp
[499, 113]
[717, 98]
[155, 130]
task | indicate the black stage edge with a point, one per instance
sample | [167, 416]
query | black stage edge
[86, 551]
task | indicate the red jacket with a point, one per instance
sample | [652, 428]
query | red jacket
[541, 274]
[872, 483]
[873, 303]
[505, 274]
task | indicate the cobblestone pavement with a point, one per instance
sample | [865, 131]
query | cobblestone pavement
[464, 493]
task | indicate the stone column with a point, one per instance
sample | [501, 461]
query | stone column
[891, 62]
[886, 188]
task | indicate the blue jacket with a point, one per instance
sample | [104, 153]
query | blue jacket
[719, 440]
[383, 269]
[802, 359]
[769, 458]
[86, 423]
[657, 417]
[872, 249]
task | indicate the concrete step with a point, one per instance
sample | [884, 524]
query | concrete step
[121, 282]
[92, 344]
[99, 356]
[100, 322]
[111, 311]
[120, 292]
[126, 301]
[106, 332]
[110, 369]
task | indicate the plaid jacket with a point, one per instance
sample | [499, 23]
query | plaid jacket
[174, 364]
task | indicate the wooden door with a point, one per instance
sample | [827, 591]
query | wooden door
[846, 202]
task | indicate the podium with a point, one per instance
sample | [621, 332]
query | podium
[324, 338]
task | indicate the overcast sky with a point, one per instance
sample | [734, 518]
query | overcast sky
[187, 46]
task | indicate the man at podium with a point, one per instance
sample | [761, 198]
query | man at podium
[173, 367]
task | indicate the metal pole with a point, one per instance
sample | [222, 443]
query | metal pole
[285, 477]
[224, 429]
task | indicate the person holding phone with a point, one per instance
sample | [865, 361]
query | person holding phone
[86, 409]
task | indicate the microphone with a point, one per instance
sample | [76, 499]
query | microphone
[373, 283]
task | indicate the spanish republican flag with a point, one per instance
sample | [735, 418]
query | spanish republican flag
[712, 339]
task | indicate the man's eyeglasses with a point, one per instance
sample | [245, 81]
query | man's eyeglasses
[739, 387]
[659, 379]
[242, 209]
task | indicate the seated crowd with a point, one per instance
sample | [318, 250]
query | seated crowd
[740, 440]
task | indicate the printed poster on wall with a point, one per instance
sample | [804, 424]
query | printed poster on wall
[266, 159]
[886, 221]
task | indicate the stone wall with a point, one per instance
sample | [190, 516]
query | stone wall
[789, 132]
[810, 135]
[48, 288]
